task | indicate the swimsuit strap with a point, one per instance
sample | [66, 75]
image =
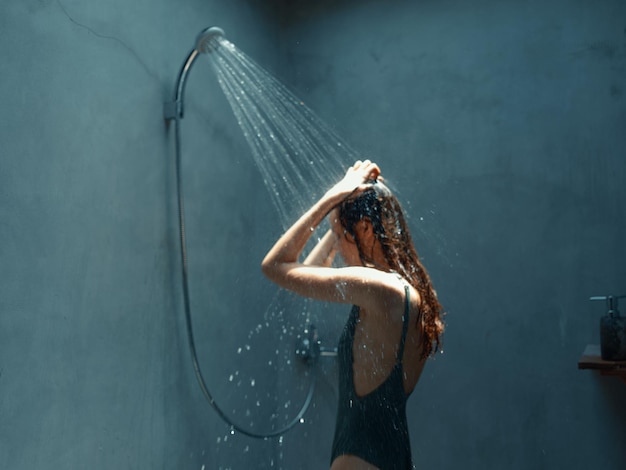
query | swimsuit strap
[405, 323]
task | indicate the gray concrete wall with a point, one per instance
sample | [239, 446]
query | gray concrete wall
[94, 366]
[501, 126]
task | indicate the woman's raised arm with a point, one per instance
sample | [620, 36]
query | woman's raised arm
[281, 263]
[324, 252]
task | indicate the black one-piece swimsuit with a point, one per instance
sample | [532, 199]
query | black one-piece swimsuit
[373, 427]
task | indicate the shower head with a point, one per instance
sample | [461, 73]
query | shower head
[208, 40]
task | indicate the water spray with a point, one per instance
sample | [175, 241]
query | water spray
[207, 42]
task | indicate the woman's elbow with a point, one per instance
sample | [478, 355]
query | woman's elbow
[268, 268]
[275, 271]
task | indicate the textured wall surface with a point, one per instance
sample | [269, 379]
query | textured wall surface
[94, 366]
[501, 124]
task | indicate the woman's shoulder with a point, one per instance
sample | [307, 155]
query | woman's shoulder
[375, 290]
[389, 292]
[384, 283]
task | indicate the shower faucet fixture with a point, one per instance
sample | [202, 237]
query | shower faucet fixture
[206, 42]
[309, 347]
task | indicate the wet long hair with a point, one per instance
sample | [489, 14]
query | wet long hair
[378, 204]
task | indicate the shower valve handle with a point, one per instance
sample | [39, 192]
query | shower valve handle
[309, 347]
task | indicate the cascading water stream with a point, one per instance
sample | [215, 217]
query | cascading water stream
[297, 153]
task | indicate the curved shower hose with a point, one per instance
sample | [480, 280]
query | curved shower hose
[206, 42]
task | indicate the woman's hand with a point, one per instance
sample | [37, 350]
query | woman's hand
[355, 179]
[315, 277]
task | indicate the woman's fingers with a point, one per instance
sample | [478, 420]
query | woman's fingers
[374, 171]
[357, 177]
[365, 165]
[370, 170]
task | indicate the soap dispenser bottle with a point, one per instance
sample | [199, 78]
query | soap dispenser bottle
[612, 330]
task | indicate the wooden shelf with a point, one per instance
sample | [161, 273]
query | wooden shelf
[592, 359]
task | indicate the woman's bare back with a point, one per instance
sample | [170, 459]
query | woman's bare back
[377, 339]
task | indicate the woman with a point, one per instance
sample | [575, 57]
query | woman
[395, 323]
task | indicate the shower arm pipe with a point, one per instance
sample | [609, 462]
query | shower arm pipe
[173, 110]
